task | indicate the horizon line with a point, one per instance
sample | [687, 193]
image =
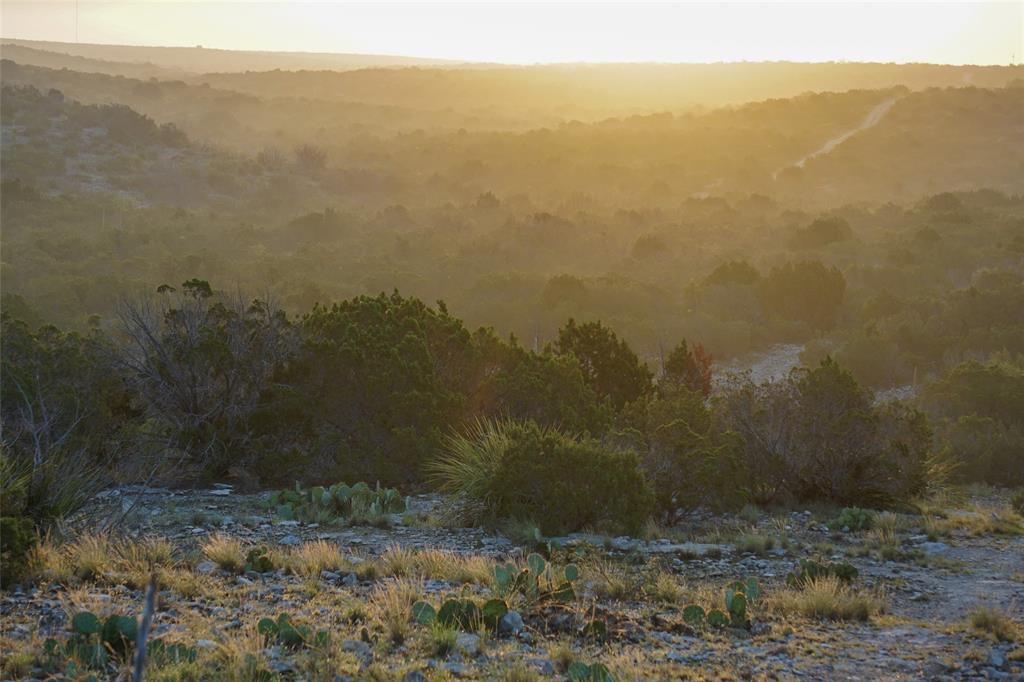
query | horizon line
[456, 62]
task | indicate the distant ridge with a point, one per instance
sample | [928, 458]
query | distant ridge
[195, 60]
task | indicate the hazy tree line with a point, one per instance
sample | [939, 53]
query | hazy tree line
[195, 385]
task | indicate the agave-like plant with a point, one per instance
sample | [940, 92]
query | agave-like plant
[470, 461]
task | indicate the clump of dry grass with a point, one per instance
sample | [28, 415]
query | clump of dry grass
[884, 529]
[519, 672]
[994, 624]
[145, 553]
[226, 551]
[397, 561]
[18, 659]
[47, 561]
[614, 581]
[436, 564]
[313, 558]
[983, 521]
[101, 557]
[827, 598]
[239, 656]
[390, 607]
[665, 588]
[758, 545]
[92, 556]
[561, 655]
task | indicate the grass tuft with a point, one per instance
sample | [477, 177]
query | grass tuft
[313, 558]
[225, 551]
[390, 608]
[994, 624]
[827, 598]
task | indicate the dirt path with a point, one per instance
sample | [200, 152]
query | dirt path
[874, 116]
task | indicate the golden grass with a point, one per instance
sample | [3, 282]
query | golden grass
[436, 564]
[226, 551]
[188, 584]
[994, 624]
[100, 557]
[313, 558]
[613, 581]
[755, 544]
[239, 656]
[980, 522]
[145, 553]
[826, 598]
[390, 607]
[885, 528]
[92, 556]
[440, 640]
[519, 672]
[18, 659]
[561, 655]
[665, 588]
[48, 562]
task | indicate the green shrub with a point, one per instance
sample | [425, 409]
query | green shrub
[817, 436]
[688, 457]
[508, 470]
[17, 537]
[984, 449]
[982, 411]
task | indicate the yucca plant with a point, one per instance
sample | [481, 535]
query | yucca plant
[470, 462]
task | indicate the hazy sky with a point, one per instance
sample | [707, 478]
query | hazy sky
[964, 32]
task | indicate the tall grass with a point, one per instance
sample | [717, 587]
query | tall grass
[827, 598]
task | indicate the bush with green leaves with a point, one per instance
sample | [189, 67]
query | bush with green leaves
[375, 383]
[688, 456]
[518, 470]
[689, 368]
[318, 503]
[202, 364]
[17, 537]
[818, 436]
[807, 291]
[981, 408]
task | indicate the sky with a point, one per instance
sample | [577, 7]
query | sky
[534, 32]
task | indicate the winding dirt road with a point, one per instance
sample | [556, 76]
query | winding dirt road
[874, 116]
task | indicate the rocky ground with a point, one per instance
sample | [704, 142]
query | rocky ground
[938, 596]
